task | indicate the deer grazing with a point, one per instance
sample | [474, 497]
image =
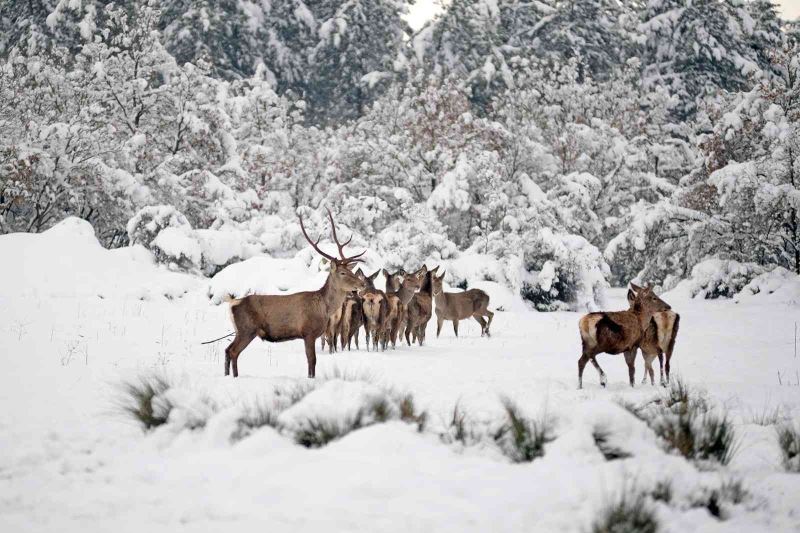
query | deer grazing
[457, 306]
[659, 340]
[398, 301]
[420, 309]
[618, 332]
[302, 315]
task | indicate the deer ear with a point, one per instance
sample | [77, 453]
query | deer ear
[375, 275]
[442, 276]
[635, 287]
[385, 273]
[433, 270]
[631, 296]
[422, 271]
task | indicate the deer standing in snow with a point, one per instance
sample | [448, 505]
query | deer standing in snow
[420, 309]
[618, 332]
[458, 306]
[397, 302]
[302, 315]
[658, 341]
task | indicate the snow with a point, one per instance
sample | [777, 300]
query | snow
[71, 462]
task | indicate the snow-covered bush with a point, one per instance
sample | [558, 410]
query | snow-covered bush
[563, 272]
[148, 222]
[408, 243]
[778, 285]
[717, 278]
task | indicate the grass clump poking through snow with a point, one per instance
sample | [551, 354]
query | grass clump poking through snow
[716, 500]
[789, 443]
[142, 399]
[522, 439]
[682, 420]
[631, 512]
[609, 451]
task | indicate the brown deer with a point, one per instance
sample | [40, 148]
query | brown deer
[302, 315]
[420, 309]
[618, 332]
[393, 281]
[457, 306]
[659, 339]
[397, 302]
[376, 309]
[352, 319]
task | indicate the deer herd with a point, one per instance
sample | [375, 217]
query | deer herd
[349, 300]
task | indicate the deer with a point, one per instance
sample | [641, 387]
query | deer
[659, 340]
[618, 331]
[301, 315]
[376, 309]
[352, 319]
[420, 309]
[458, 306]
[397, 302]
[393, 281]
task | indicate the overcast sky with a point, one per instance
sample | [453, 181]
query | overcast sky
[423, 10]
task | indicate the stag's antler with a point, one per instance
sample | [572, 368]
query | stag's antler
[314, 244]
[345, 260]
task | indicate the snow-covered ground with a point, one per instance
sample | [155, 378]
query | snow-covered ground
[76, 320]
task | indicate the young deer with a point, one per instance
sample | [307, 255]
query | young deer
[618, 332]
[457, 306]
[659, 339]
[397, 302]
[420, 309]
[302, 315]
[375, 309]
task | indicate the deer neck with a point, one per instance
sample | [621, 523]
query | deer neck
[332, 297]
[405, 294]
[643, 317]
[440, 300]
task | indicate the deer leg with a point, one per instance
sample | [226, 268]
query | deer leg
[630, 359]
[489, 324]
[666, 366]
[233, 350]
[603, 379]
[439, 322]
[356, 336]
[455, 326]
[482, 322]
[311, 356]
[581, 364]
[661, 369]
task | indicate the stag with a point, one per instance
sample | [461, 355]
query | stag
[420, 309]
[457, 306]
[618, 332]
[659, 340]
[302, 315]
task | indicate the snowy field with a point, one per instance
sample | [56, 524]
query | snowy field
[76, 320]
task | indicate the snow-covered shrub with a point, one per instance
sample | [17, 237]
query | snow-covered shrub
[410, 242]
[717, 278]
[178, 248]
[779, 285]
[563, 272]
[148, 222]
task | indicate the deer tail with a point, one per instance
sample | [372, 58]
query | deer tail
[674, 335]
